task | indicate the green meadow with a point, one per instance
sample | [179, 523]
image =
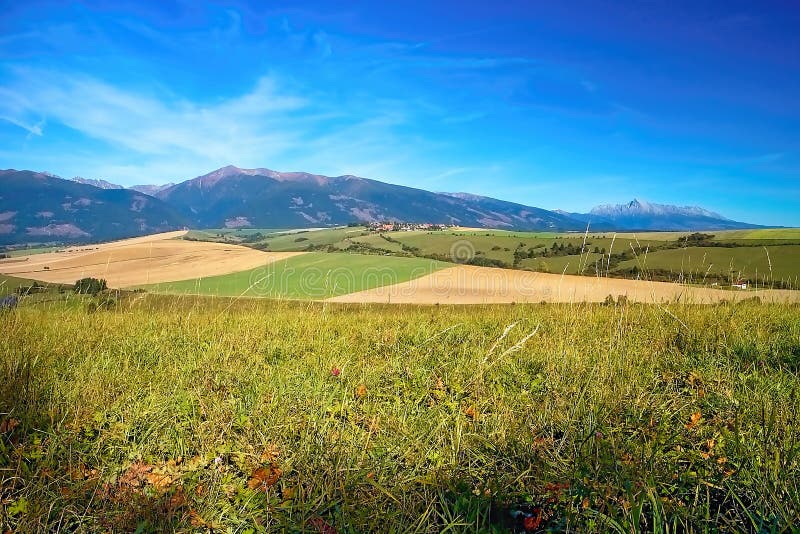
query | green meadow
[763, 256]
[164, 414]
[315, 275]
[781, 262]
[9, 283]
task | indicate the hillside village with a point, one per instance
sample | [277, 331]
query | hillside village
[394, 226]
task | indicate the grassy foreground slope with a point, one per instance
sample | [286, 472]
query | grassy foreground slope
[180, 414]
[314, 275]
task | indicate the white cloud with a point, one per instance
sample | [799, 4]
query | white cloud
[155, 136]
[150, 125]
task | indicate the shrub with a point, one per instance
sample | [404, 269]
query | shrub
[90, 286]
[35, 287]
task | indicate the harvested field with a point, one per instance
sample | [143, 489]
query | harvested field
[141, 260]
[466, 284]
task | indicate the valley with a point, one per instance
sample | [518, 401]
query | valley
[452, 266]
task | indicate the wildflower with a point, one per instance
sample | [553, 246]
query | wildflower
[336, 371]
[361, 391]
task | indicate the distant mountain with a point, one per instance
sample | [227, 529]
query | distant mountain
[235, 197]
[41, 207]
[150, 189]
[36, 207]
[102, 184]
[641, 215]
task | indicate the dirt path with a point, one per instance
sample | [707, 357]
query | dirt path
[141, 260]
[467, 284]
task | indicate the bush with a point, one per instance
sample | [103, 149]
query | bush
[90, 286]
[35, 287]
[101, 304]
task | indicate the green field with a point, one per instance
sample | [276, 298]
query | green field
[671, 256]
[16, 252]
[316, 238]
[565, 264]
[315, 275]
[765, 263]
[9, 283]
[165, 414]
[765, 233]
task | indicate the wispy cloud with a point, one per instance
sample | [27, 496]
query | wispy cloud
[32, 129]
[147, 124]
[169, 137]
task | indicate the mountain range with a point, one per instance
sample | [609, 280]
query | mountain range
[642, 215]
[42, 207]
[37, 207]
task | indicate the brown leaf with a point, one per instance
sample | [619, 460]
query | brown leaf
[373, 424]
[532, 522]
[322, 526]
[196, 520]
[471, 413]
[270, 454]
[136, 475]
[264, 477]
[7, 425]
[159, 481]
[694, 420]
[361, 391]
[177, 499]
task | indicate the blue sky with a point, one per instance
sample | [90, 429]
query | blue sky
[553, 104]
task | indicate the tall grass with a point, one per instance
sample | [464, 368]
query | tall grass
[165, 414]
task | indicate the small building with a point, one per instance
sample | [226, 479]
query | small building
[740, 284]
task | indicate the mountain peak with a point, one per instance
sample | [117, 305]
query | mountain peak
[642, 207]
[640, 214]
[100, 183]
[230, 171]
[210, 179]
